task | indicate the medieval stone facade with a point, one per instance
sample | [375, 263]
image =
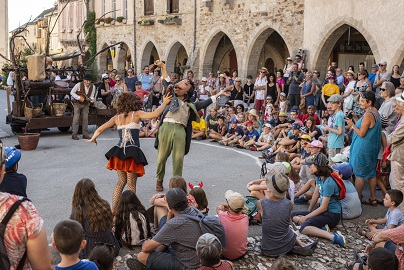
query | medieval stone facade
[210, 35]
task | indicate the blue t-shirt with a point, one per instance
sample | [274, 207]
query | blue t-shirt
[394, 217]
[146, 80]
[81, 265]
[238, 130]
[328, 188]
[372, 78]
[334, 140]
[251, 134]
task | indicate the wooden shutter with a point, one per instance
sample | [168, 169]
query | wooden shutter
[148, 7]
[176, 6]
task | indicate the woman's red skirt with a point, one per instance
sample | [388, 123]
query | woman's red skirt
[127, 165]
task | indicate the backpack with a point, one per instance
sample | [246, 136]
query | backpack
[4, 260]
[340, 184]
[250, 205]
[209, 224]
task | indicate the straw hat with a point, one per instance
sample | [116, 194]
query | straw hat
[350, 72]
[254, 112]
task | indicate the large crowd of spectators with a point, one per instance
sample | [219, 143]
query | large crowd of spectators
[315, 136]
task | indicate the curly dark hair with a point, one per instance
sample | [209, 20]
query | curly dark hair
[128, 102]
[88, 206]
[129, 204]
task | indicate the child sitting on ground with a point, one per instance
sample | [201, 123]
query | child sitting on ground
[103, 256]
[200, 197]
[234, 134]
[250, 136]
[275, 209]
[131, 224]
[220, 132]
[394, 217]
[265, 140]
[13, 182]
[208, 250]
[67, 239]
[313, 222]
[235, 223]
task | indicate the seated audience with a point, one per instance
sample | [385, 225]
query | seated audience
[13, 182]
[103, 256]
[208, 249]
[250, 136]
[234, 135]
[200, 197]
[68, 240]
[235, 223]
[199, 129]
[220, 131]
[95, 216]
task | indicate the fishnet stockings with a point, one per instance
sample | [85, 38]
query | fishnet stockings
[123, 178]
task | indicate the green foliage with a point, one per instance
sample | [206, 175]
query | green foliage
[108, 20]
[120, 19]
[90, 33]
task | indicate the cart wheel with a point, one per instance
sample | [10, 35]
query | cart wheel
[64, 129]
[17, 129]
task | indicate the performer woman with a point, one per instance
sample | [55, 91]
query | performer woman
[126, 157]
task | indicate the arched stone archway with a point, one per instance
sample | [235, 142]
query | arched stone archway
[398, 58]
[268, 44]
[105, 60]
[342, 37]
[149, 55]
[217, 54]
[124, 59]
[176, 54]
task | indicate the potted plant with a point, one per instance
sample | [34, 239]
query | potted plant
[108, 20]
[121, 19]
[145, 22]
[100, 21]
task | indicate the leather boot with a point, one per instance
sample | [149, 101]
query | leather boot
[74, 137]
[159, 186]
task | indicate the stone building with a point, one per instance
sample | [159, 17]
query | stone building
[210, 35]
[3, 30]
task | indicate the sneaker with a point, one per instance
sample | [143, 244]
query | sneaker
[339, 239]
[326, 228]
[134, 264]
[252, 148]
[239, 146]
[300, 200]
[221, 143]
[304, 251]
[198, 138]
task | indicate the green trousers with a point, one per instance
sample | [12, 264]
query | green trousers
[171, 139]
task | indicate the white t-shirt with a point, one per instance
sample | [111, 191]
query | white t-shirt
[259, 94]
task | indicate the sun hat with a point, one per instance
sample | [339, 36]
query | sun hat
[283, 94]
[222, 75]
[13, 155]
[176, 197]
[277, 182]
[305, 137]
[319, 159]
[350, 72]
[253, 112]
[235, 200]
[289, 58]
[344, 169]
[339, 158]
[336, 98]
[316, 143]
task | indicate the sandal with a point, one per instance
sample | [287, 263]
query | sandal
[361, 232]
[370, 202]
[380, 202]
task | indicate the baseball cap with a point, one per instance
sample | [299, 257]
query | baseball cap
[138, 83]
[278, 183]
[339, 158]
[104, 76]
[289, 58]
[304, 130]
[176, 198]
[249, 122]
[310, 107]
[13, 155]
[384, 63]
[295, 126]
[305, 137]
[269, 97]
[204, 79]
[375, 66]
[283, 94]
[233, 121]
[344, 169]
[268, 125]
[235, 200]
[316, 143]
[277, 167]
[336, 98]
[282, 114]
[319, 159]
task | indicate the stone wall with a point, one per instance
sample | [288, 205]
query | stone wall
[4, 30]
[379, 22]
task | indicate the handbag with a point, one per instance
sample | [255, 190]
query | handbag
[349, 106]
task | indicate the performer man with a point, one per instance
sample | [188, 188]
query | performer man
[83, 93]
[175, 129]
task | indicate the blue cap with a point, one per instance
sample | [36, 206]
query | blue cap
[13, 155]
[344, 169]
[295, 126]
[233, 121]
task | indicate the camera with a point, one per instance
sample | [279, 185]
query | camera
[349, 115]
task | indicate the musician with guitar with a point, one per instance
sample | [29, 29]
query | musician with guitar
[83, 94]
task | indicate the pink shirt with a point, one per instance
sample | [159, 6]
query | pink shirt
[397, 236]
[141, 93]
[280, 81]
[236, 229]
[24, 224]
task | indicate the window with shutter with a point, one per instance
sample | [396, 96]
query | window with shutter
[148, 7]
[173, 6]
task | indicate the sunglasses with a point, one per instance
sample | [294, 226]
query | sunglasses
[117, 80]
[130, 71]
[383, 89]
[380, 65]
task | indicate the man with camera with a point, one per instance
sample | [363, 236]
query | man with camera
[295, 79]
